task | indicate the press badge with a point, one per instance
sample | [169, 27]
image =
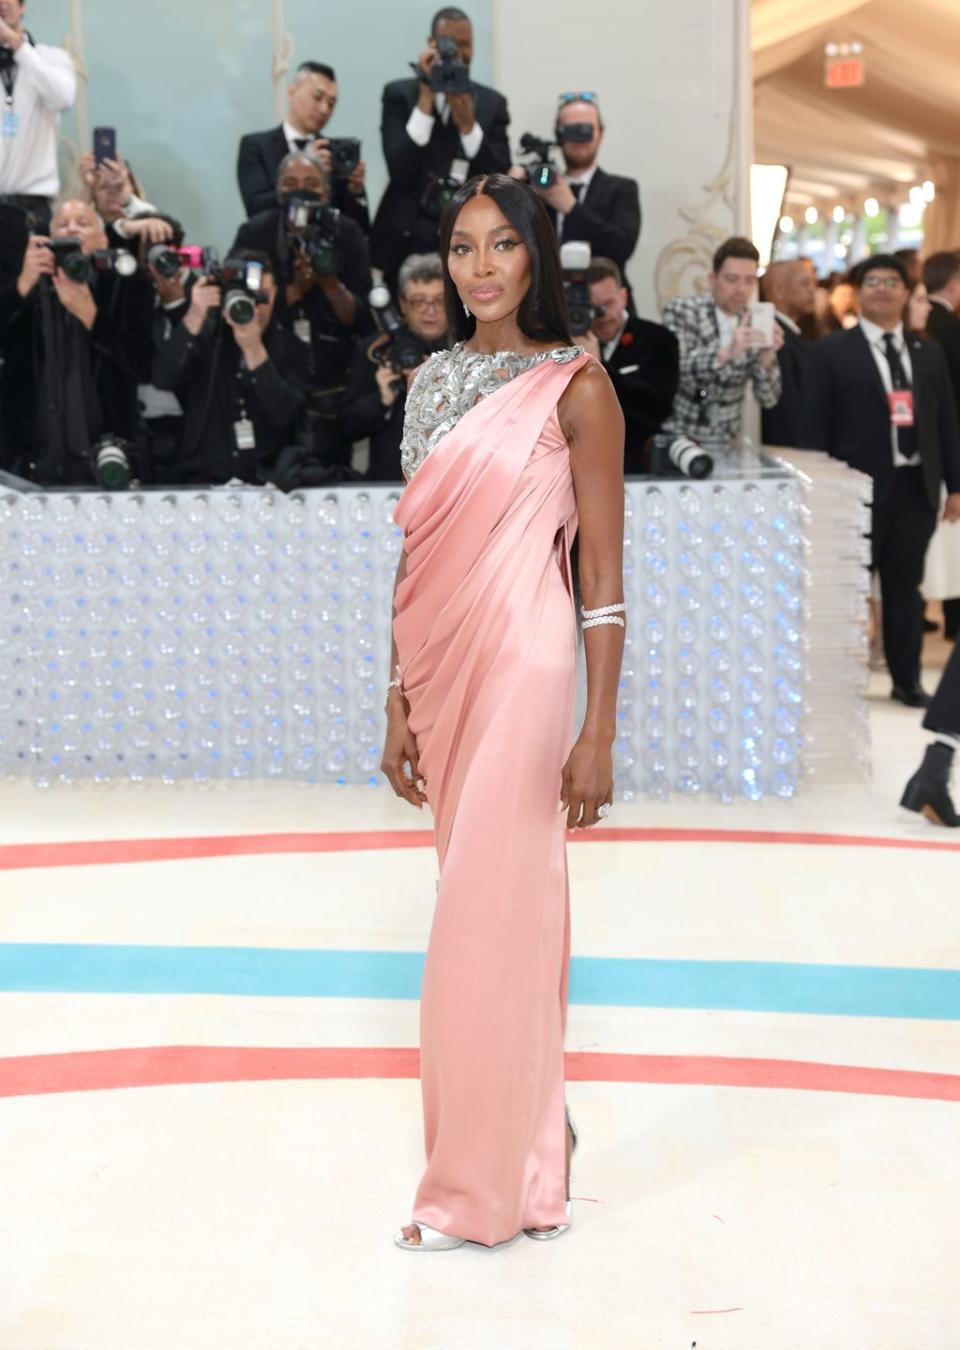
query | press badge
[244, 434]
[901, 407]
[11, 124]
[301, 329]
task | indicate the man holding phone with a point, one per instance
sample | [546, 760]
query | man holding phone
[38, 83]
[724, 346]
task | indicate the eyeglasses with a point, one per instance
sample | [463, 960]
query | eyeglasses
[887, 283]
[583, 96]
[421, 302]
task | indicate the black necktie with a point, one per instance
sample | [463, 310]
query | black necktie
[906, 436]
[301, 142]
[565, 233]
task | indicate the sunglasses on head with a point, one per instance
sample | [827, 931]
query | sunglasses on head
[574, 96]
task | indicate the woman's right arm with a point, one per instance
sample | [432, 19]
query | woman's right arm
[400, 746]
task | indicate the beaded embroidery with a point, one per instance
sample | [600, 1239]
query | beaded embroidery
[447, 386]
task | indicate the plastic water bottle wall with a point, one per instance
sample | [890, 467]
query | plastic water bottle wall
[245, 634]
[712, 691]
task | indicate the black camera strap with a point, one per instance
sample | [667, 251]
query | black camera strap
[8, 69]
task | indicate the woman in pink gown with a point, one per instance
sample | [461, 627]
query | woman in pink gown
[509, 440]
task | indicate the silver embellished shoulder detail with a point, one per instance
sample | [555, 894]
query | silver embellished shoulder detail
[447, 386]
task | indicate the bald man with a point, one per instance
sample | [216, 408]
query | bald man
[792, 288]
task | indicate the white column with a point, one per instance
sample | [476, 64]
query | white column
[858, 248]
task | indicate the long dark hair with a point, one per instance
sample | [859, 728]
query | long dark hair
[542, 316]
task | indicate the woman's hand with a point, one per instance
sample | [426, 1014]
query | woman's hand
[400, 749]
[587, 781]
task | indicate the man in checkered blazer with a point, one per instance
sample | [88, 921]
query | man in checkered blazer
[719, 351]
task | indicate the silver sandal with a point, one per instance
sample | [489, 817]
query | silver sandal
[547, 1234]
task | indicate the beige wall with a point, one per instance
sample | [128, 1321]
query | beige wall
[672, 81]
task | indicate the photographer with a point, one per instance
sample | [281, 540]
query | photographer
[156, 248]
[432, 139]
[242, 384]
[311, 100]
[382, 369]
[585, 201]
[75, 347]
[320, 261]
[720, 352]
[39, 83]
[641, 358]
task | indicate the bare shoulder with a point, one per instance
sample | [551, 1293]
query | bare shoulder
[589, 400]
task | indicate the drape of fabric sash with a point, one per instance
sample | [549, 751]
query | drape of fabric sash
[483, 518]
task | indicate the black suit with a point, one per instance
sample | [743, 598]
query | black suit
[362, 413]
[644, 369]
[607, 217]
[401, 226]
[845, 413]
[944, 327]
[781, 423]
[216, 390]
[258, 160]
[62, 386]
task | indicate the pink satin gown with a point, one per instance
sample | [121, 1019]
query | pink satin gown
[486, 637]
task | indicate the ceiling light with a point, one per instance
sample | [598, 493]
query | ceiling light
[929, 190]
[786, 224]
[871, 207]
[811, 215]
[839, 214]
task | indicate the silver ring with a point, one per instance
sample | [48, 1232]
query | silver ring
[603, 810]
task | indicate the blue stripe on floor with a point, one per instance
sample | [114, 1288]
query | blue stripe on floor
[753, 986]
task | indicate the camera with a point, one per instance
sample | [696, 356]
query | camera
[165, 260]
[345, 153]
[80, 267]
[403, 350]
[575, 261]
[241, 280]
[684, 455]
[113, 462]
[449, 75]
[316, 232]
[541, 169]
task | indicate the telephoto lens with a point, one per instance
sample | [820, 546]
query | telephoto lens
[691, 459]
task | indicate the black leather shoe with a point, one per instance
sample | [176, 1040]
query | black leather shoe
[929, 789]
[913, 698]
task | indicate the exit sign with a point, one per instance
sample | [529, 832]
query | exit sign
[844, 72]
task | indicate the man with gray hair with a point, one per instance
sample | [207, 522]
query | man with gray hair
[382, 369]
[323, 276]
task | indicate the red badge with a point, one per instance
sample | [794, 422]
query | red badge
[626, 340]
[901, 407]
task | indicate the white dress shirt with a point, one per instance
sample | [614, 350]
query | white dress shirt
[875, 335]
[420, 127]
[45, 85]
[787, 322]
[585, 179]
[610, 347]
[727, 325]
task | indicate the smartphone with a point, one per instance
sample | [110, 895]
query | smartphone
[104, 144]
[762, 320]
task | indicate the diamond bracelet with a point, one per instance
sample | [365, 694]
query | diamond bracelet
[592, 618]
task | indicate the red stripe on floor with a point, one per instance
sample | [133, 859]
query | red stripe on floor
[93, 852]
[157, 1066]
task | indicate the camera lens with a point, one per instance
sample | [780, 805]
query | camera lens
[165, 260]
[239, 307]
[112, 466]
[76, 267]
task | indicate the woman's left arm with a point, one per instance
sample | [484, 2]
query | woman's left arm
[593, 425]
